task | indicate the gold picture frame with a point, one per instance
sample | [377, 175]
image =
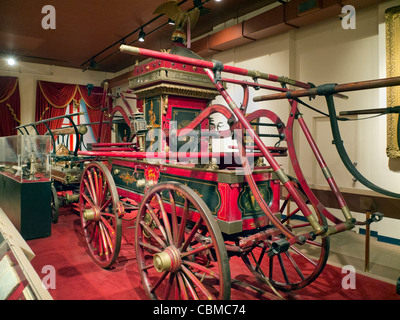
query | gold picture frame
[392, 18]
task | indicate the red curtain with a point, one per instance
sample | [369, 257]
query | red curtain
[93, 108]
[10, 105]
[52, 99]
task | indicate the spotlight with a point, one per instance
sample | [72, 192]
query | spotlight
[171, 22]
[11, 61]
[141, 35]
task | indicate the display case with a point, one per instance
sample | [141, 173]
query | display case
[25, 184]
[26, 158]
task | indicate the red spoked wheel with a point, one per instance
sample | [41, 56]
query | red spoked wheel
[100, 212]
[179, 247]
[300, 264]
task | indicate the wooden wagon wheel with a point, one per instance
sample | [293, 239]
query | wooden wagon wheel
[179, 247]
[100, 214]
[297, 266]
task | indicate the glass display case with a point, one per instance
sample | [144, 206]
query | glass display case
[25, 183]
[26, 157]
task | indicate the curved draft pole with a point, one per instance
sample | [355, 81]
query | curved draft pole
[344, 155]
[328, 90]
[339, 224]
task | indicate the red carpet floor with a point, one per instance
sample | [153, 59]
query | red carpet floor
[79, 278]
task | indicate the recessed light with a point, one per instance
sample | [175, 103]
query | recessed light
[11, 61]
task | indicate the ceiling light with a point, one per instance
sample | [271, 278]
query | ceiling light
[141, 35]
[171, 22]
[11, 61]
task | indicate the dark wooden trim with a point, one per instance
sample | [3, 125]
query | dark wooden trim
[361, 201]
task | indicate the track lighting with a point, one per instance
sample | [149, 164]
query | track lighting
[142, 34]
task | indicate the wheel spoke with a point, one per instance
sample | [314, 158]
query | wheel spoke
[174, 218]
[87, 224]
[197, 250]
[106, 204]
[295, 266]
[191, 235]
[85, 181]
[100, 187]
[153, 234]
[301, 254]
[283, 269]
[100, 242]
[91, 184]
[108, 214]
[201, 268]
[96, 185]
[87, 200]
[149, 246]
[108, 226]
[106, 241]
[159, 281]
[258, 262]
[192, 291]
[169, 285]
[156, 220]
[182, 225]
[182, 287]
[165, 219]
[93, 235]
[197, 282]
[104, 191]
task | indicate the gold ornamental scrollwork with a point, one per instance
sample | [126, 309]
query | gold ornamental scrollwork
[392, 18]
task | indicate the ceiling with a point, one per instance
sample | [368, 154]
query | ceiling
[92, 30]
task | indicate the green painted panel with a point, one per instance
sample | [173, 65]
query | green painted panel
[207, 190]
[126, 178]
[247, 203]
[183, 118]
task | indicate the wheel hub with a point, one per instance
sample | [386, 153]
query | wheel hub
[92, 214]
[168, 260]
